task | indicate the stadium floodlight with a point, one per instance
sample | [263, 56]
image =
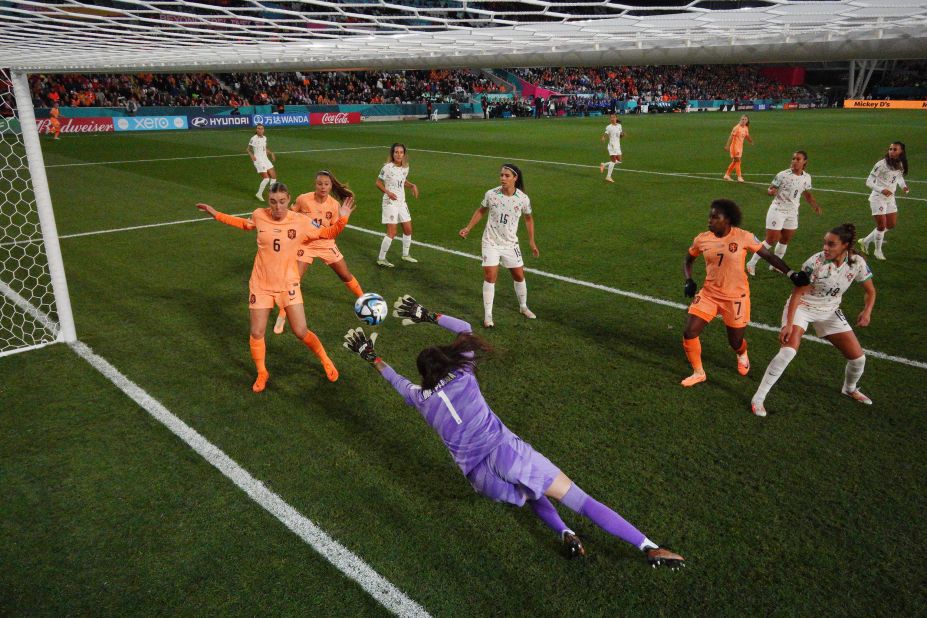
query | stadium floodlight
[253, 35]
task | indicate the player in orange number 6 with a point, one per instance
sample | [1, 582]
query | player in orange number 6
[275, 276]
[726, 291]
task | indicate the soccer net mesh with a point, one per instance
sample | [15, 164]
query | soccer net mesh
[243, 35]
[28, 312]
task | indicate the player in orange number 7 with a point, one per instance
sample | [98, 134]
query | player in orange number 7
[275, 276]
[726, 291]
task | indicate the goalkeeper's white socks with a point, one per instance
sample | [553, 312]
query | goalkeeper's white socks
[489, 293]
[776, 368]
[384, 247]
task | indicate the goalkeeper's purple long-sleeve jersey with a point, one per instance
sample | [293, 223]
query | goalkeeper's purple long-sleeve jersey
[455, 408]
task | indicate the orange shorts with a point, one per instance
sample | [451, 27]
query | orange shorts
[737, 153]
[264, 299]
[735, 313]
[329, 255]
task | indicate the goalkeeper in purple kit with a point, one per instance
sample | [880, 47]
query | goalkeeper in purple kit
[498, 464]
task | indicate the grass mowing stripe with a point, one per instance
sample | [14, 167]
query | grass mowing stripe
[694, 175]
[596, 286]
[217, 156]
[646, 298]
[342, 558]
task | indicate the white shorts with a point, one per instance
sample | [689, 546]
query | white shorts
[824, 324]
[395, 212]
[262, 164]
[778, 220]
[882, 205]
[509, 257]
[614, 151]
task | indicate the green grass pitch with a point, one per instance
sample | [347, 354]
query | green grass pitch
[817, 509]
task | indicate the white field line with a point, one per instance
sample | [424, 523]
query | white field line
[644, 297]
[542, 273]
[351, 565]
[773, 175]
[620, 168]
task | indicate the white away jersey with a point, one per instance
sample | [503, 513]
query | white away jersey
[884, 177]
[258, 146]
[504, 213]
[614, 131]
[789, 189]
[394, 179]
[829, 281]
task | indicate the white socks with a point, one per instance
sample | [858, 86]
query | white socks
[756, 256]
[776, 368]
[879, 237]
[406, 243]
[780, 250]
[264, 183]
[611, 166]
[384, 247]
[521, 293]
[853, 373]
[489, 293]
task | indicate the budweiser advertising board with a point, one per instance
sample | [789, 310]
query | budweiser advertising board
[335, 118]
[78, 125]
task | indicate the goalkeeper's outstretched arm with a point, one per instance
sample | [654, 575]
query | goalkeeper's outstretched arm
[412, 312]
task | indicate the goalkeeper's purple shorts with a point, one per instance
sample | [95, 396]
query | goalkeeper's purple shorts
[514, 472]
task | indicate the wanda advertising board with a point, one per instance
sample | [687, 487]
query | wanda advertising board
[78, 125]
[316, 118]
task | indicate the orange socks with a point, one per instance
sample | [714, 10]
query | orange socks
[312, 342]
[693, 348]
[730, 168]
[737, 169]
[355, 287]
[258, 352]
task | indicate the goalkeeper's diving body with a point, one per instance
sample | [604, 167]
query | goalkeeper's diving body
[498, 464]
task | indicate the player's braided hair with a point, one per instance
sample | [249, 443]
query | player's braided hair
[730, 209]
[846, 232]
[435, 362]
[902, 159]
[339, 190]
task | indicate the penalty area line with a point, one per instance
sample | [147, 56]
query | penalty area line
[643, 297]
[349, 563]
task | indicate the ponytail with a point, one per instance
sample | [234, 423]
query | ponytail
[846, 232]
[340, 191]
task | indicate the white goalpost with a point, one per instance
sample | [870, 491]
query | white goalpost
[35, 309]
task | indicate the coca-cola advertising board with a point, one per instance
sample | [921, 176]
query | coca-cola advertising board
[334, 118]
[77, 125]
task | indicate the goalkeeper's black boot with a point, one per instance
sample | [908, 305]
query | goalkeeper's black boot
[574, 547]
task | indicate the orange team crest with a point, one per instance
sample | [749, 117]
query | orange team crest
[732, 247]
[291, 234]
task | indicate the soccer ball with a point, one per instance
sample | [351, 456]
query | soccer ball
[371, 309]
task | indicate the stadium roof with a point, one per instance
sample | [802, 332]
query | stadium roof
[256, 35]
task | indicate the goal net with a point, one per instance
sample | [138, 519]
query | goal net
[30, 313]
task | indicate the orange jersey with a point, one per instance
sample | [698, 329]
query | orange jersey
[55, 112]
[278, 242]
[323, 215]
[738, 135]
[725, 277]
